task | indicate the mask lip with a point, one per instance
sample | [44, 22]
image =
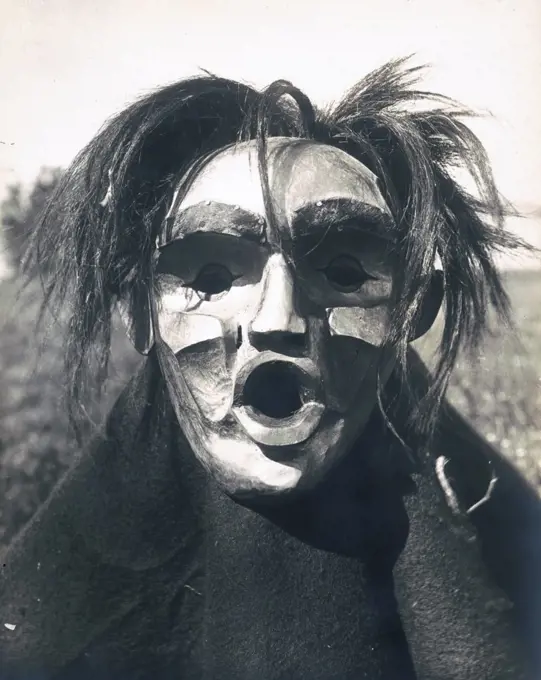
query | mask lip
[293, 427]
[280, 432]
[304, 370]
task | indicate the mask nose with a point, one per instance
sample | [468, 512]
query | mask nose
[277, 324]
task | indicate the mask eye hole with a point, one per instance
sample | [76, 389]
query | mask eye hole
[345, 273]
[212, 280]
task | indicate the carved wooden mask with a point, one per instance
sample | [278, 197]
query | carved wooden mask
[276, 324]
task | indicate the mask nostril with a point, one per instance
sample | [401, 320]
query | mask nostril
[239, 337]
[292, 344]
[297, 340]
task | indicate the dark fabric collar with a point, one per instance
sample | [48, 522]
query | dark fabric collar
[127, 524]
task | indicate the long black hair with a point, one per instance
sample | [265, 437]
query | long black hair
[97, 236]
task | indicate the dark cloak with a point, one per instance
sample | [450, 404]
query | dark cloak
[139, 567]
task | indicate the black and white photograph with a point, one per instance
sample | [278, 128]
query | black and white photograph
[270, 340]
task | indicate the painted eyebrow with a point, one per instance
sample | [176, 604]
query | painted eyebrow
[212, 216]
[323, 215]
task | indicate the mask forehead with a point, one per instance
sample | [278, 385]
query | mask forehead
[229, 178]
[304, 173]
[301, 172]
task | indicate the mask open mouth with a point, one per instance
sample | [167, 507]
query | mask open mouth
[275, 390]
[277, 402]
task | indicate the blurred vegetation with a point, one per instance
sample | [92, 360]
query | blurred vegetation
[36, 445]
[20, 213]
[499, 390]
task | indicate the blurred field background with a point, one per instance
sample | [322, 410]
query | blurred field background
[499, 391]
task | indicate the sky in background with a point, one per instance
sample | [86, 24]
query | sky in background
[67, 65]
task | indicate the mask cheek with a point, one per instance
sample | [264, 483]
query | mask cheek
[200, 346]
[366, 324]
[355, 337]
[180, 330]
